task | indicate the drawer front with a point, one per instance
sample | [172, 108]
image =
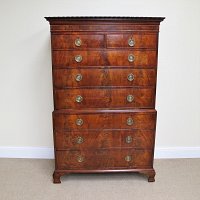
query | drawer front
[135, 58]
[104, 159]
[78, 58]
[77, 41]
[142, 59]
[98, 139]
[132, 120]
[132, 41]
[103, 77]
[104, 98]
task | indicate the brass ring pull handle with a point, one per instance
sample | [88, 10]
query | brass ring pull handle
[79, 98]
[131, 58]
[78, 77]
[131, 42]
[78, 58]
[78, 42]
[79, 140]
[129, 139]
[128, 158]
[129, 121]
[80, 159]
[130, 98]
[130, 77]
[79, 122]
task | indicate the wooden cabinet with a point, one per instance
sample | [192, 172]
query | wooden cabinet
[104, 86]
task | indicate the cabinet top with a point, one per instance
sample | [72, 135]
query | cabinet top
[106, 18]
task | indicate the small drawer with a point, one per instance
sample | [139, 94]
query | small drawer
[104, 159]
[97, 139]
[62, 59]
[134, 58]
[104, 119]
[77, 41]
[132, 41]
[104, 98]
[64, 78]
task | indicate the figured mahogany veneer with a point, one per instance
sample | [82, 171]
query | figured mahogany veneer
[104, 98]
[143, 58]
[140, 40]
[104, 159]
[87, 41]
[105, 120]
[101, 139]
[104, 86]
[64, 78]
[66, 41]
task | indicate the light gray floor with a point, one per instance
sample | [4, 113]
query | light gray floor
[25, 179]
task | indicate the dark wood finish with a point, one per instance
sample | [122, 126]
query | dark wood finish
[150, 174]
[104, 98]
[104, 159]
[98, 139]
[103, 142]
[143, 58]
[95, 19]
[106, 26]
[64, 78]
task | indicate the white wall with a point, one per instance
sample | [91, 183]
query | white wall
[25, 67]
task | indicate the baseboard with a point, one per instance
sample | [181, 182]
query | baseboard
[48, 152]
[27, 152]
[177, 152]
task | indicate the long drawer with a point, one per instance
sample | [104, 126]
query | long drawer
[134, 58]
[103, 77]
[104, 119]
[104, 159]
[103, 98]
[98, 139]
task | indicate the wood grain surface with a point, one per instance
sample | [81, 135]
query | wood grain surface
[142, 58]
[118, 120]
[64, 78]
[104, 98]
[101, 139]
[104, 159]
[96, 129]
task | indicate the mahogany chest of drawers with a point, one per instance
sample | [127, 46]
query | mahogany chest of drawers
[104, 87]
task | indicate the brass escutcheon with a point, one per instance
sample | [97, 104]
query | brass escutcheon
[79, 122]
[80, 158]
[78, 42]
[130, 77]
[128, 158]
[131, 58]
[78, 58]
[79, 98]
[130, 98]
[78, 77]
[129, 139]
[131, 42]
[129, 121]
[79, 140]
